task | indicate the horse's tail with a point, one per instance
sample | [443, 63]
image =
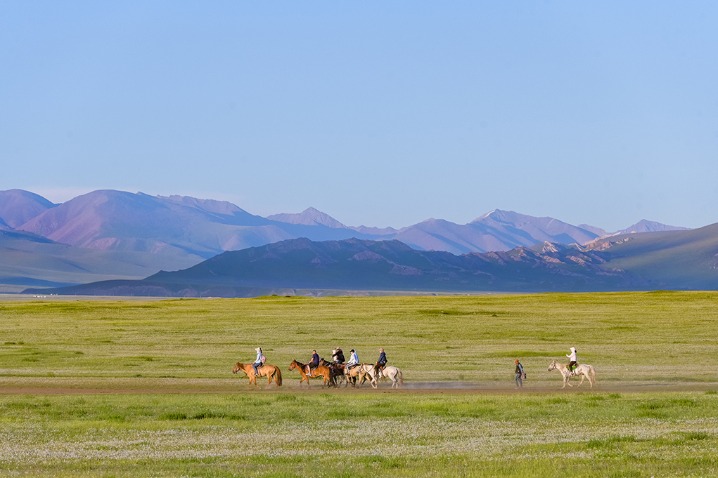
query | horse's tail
[401, 377]
[592, 372]
[278, 376]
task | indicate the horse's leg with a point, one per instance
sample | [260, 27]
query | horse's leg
[374, 381]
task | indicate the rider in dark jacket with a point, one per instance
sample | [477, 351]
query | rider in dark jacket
[338, 356]
[314, 363]
[381, 363]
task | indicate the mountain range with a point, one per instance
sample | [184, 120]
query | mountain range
[660, 260]
[109, 234]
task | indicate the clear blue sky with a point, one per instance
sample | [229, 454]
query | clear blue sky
[377, 113]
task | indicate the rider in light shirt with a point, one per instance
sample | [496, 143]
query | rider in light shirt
[572, 359]
[258, 361]
[353, 359]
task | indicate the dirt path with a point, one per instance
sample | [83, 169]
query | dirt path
[221, 386]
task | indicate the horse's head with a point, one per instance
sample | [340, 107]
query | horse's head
[237, 367]
[293, 365]
[552, 365]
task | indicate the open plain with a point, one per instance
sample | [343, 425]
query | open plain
[143, 387]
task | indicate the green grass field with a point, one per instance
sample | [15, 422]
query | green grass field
[144, 387]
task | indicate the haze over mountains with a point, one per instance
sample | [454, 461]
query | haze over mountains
[114, 234]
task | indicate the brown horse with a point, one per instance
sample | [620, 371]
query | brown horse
[321, 371]
[272, 372]
[352, 374]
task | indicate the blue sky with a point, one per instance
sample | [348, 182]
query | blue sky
[377, 113]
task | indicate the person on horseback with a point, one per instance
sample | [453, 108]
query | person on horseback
[338, 356]
[572, 359]
[353, 359]
[258, 361]
[314, 363]
[381, 363]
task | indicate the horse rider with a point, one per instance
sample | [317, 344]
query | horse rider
[353, 359]
[381, 363]
[338, 356]
[314, 363]
[258, 362]
[572, 359]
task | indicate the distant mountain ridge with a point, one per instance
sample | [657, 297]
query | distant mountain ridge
[648, 226]
[18, 206]
[665, 260]
[177, 231]
[308, 217]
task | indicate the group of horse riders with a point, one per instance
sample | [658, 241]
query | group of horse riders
[338, 360]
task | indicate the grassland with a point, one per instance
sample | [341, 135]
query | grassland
[143, 387]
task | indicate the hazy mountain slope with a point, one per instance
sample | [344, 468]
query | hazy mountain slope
[28, 260]
[441, 235]
[308, 217]
[597, 231]
[683, 259]
[115, 220]
[175, 225]
[533, 229]
[18, 206]
[649, 226]
[494, 231]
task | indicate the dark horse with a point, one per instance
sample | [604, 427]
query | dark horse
[337, 371]
[321, 371]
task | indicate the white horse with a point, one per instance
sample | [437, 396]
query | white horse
[360, 371]
[393, 374]
[367, 370]
[584, 370]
